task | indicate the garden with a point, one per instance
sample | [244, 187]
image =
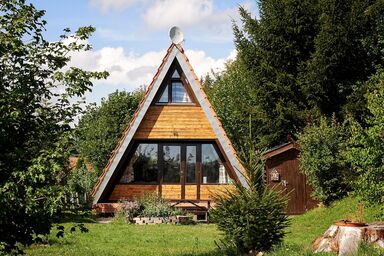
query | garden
[120, 238]
[311, 72]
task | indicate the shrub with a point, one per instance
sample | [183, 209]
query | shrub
[81, 181]
[252, 219]
[366, 146]
[154, 206]
[119, 216]
[321, 159]
[131, 209]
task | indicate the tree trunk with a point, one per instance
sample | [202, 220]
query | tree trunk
[345, 240]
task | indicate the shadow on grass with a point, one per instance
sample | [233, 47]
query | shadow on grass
[76, 217]
[211, 253]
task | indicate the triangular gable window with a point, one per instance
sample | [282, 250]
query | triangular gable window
[174, 90]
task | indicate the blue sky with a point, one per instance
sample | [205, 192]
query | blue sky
[132, 35]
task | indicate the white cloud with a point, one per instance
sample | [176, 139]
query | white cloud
[112, 5]
[129, 70]
[165, 13]
[202, 20]
[209, 23]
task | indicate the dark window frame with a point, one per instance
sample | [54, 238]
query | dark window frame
[167, 84]
[183, 168]
[133, 150]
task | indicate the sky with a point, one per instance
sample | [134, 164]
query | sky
[132, 36]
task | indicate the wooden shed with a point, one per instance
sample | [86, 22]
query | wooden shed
[174, 146]
[282, 173]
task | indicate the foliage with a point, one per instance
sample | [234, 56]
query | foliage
[303, 229]
[252, 219]
[230, 95]
[366, 145]
[127, 211]
[296, 62]
[321, 159]
[348, 47]
[81, 181]
[154, 206]
[101, 127]
[36, 87]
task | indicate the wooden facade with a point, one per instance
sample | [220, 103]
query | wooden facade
[175, 122]
[283, 174]
[174, 147]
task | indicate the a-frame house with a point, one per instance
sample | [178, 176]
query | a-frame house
[174, 145]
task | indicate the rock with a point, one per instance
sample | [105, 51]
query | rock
[345, 240]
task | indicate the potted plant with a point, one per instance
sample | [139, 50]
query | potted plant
[354, 220]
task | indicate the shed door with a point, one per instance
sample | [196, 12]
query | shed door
[291, 181]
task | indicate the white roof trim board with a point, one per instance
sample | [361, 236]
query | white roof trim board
[175, 53]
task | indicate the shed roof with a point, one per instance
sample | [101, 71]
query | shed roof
[279, 150]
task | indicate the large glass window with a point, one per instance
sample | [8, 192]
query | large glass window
[174, 160]
[191, 164]
[143, 165]
[171, 159]
[213, 169]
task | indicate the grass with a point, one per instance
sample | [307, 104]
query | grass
[305, 228]
[122, 239]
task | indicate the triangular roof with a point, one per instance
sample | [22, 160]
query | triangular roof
[174, 52]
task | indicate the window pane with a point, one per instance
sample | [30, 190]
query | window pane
[175, 74]
[171, 157]
[164, 96]
[191, 164]
[143, 165]
[213, 170]
[179, 94]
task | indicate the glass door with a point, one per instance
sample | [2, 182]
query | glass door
[179, 176]
[190, 186]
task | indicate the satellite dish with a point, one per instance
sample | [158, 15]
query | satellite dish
[176, 35]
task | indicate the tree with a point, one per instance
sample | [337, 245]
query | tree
[81, 180]
[273, 49]
[253, 219]
[101, 127]
[366, 146]
[234, 104]
[35, 115]
[347, 50]
[321, 159]
[298, 61]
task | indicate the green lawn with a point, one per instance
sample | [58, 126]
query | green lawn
[124, 239]
[305, 228]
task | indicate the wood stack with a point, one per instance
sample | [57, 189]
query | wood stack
[345, 239]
